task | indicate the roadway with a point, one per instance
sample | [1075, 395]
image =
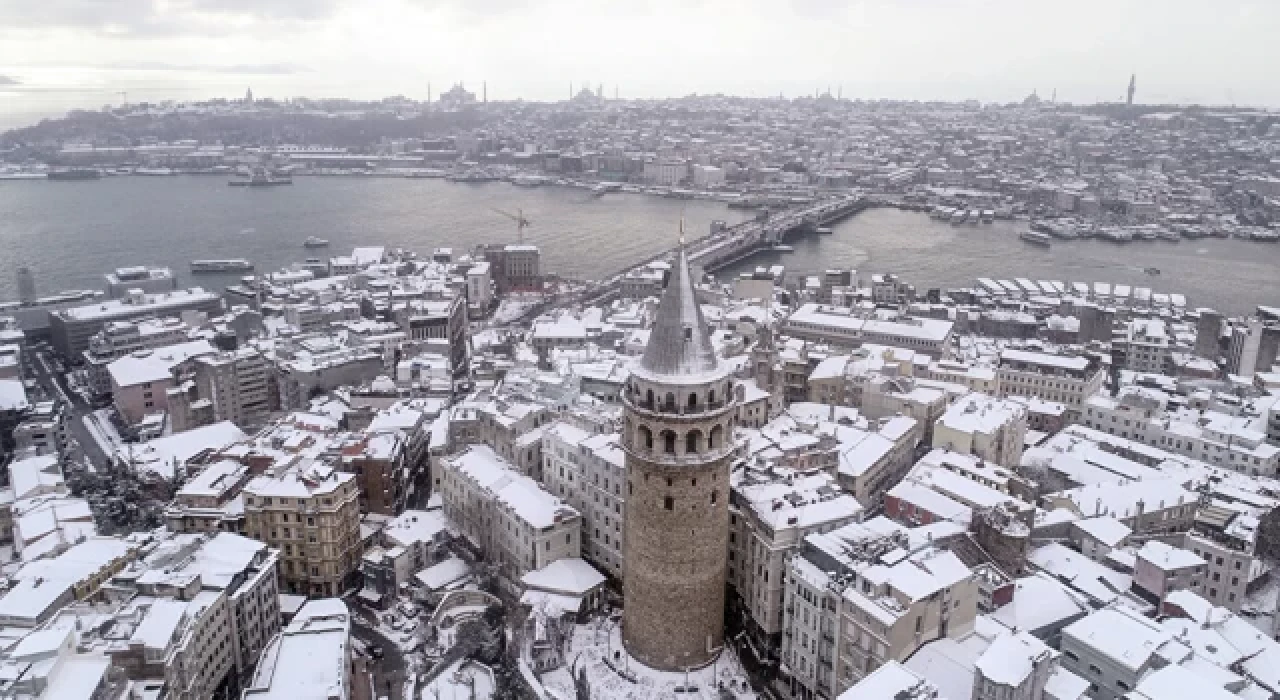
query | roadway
[43, 368]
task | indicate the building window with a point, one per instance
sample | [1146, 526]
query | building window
[669, 503]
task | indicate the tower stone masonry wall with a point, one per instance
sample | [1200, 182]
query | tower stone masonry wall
[676, 562]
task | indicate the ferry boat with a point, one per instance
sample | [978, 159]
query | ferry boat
[153, 171]
[988, 216]
[1036, 237]
[528, 180]
[957, 216]
[471, 176]
[314, 242]
[823, 230]
[259, 176]
[1115, 235]
[228, 265]
[974, 216]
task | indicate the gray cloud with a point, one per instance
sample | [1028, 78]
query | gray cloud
[7, 80]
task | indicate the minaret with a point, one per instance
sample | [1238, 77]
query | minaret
[680, 409]
[1133, 86]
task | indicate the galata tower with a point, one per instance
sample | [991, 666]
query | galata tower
[681, 405]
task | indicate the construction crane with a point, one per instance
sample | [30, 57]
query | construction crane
[521, 222]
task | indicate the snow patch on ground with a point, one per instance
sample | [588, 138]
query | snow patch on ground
[597, 641]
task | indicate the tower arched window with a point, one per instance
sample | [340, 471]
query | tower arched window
[648, 398]
[669, 441]
[716, 437]
[693, 441]
[671, 402]
[711, 396]
[693, 401]
[646, 437]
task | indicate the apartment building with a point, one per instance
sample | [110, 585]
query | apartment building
[1115, 647]
[380, 462]
[206, 502]
[1068, 380]
[140, 381]
[311, 658]
[771, 511]
[507, 515]
[1142, 345]
[237, 386]
[989, 428]
[588, 471]
[307, 366]
[861, 596]
[120, 338]
[1225, 539]
[310, 513]
[1235, 441]
[244, 575]
[1160, 569]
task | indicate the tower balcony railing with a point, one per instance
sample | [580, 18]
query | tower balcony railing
[667, 409]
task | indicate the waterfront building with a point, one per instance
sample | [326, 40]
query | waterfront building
[680, 406]
[155, 280]
[71, 328]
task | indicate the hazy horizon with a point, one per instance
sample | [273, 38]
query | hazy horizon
[61, 54]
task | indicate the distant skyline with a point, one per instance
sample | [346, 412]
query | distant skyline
[59, 54]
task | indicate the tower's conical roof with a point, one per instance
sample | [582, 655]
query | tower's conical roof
[680, 342]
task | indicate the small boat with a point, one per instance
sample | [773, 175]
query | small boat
[988, 216]
[823, 230]
[1041, 239]
[314, 242]
[783, 248]
[1152, 271]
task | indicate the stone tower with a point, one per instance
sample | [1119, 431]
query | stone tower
[681, 404]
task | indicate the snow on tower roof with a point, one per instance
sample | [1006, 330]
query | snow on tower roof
[680, 342]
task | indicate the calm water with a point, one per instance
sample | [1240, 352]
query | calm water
[70, 233]
[1229, 275]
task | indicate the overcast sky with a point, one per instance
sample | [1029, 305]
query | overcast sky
[58, 53]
